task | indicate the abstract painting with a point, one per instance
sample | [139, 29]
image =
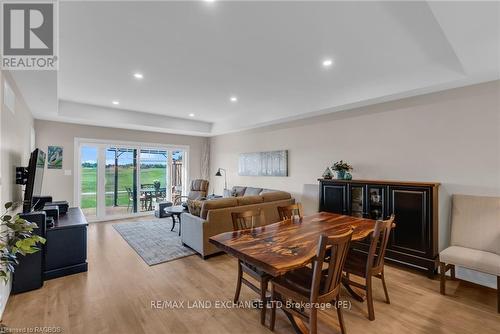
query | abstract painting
[272, 163]
[55, 157]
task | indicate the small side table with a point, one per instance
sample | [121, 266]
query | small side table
[176, 211]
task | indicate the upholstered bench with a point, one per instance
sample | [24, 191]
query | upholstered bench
[475, 238]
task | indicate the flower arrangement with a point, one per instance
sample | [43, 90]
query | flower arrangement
[341, 166]
[16, 237]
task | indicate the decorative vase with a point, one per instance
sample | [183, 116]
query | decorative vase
[341, 174]
[328, 174]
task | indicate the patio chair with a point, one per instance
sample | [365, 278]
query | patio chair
[130, 193]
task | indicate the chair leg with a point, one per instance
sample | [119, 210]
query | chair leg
[498, 294]
[313, 321]
[452, 271]
[369, 298]
[273, 308]
[341, 317]
[238, 284]
[263, 290]
[387, 300]
[442, 275]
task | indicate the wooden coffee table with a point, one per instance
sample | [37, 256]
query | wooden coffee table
[176, 211]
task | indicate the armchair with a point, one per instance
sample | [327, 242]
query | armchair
[197, 190]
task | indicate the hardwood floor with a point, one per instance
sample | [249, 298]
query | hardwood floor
[115, 297]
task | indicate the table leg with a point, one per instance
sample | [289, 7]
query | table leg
[179, 217]
[173, 223]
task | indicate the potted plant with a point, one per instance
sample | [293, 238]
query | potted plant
[342, 168]
[156, 184]
[16, 237]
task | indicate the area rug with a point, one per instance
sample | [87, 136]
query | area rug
[153, 240]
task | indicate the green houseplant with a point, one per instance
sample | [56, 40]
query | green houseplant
[16, 237]
[342, 168]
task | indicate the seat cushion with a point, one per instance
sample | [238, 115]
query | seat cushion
[474, 259]
[251, 191]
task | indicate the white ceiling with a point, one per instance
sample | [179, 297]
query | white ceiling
[195, 55]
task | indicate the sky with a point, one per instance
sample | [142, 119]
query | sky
[89, 154]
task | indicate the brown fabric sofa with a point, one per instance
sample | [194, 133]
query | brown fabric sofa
[215, 216]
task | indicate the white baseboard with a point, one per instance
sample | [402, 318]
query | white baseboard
[4, 296]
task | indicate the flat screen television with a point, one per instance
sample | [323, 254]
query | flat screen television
[34, 180]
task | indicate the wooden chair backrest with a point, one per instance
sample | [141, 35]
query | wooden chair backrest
[247, 219]
[335, 259]
[378, 244]
[287, 212]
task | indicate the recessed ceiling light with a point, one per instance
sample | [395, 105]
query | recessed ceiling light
[209, 0]
[191, 115]
[115, 102]
[327, 62]
[234, 99]
[138, 76]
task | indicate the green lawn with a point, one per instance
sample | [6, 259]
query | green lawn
[125, 179]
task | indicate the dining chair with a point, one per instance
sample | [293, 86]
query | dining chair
[287, 212]
[130, 193]
[314, 286]
[242, 221]
[371, 264]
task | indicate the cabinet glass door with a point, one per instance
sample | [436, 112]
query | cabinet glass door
[376, 200]
[357, 201]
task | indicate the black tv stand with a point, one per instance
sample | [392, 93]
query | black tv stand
[66, 247]
[64, 253]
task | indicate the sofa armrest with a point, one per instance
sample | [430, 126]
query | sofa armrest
[192, 231]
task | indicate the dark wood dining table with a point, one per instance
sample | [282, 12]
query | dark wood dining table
[284, 246]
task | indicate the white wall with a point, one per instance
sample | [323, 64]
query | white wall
[60, 186]
[451, 137]
[15, 145]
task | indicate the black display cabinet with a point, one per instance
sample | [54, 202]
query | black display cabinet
[414, 241]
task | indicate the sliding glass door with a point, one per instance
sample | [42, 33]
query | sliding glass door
[121, 180]
[153, 178]
[88, 180]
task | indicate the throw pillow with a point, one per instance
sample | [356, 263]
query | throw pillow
[194, 207]
[238, 191]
